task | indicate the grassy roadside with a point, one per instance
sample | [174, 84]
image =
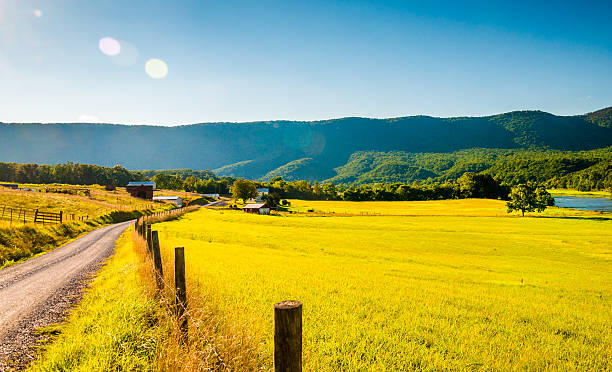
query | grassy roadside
[115, 327]
[121, 324]
[23, 242]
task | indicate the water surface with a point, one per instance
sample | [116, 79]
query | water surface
[583, 203]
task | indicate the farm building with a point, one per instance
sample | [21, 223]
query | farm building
[172, 199]
[257, 208]
[143, 190]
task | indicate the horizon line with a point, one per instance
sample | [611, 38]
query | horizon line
[308, 121]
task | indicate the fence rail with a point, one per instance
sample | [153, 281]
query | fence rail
[287, 314]
[25, 215]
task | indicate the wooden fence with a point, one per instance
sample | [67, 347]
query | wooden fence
[287, 314]
[25, 215]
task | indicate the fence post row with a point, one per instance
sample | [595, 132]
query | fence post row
[288, 336]
[287, 314]
[181, 290]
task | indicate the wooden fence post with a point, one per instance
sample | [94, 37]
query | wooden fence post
[148, 239]
[288, 336]
[157, 260]
[36, 216]
[61, 215]
[181, 291]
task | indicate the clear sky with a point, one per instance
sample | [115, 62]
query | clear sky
[302, 60]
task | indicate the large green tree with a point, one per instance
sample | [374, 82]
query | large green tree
[243, 189]
[529, 197]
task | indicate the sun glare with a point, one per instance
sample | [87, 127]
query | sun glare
[156, 68]
[38, 13]
[109, 46]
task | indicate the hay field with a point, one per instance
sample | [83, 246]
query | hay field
[430, 285]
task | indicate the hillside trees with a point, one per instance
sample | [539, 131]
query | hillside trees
[474, 185]
[168, 182]
[68, 173]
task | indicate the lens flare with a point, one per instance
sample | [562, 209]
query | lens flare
[38, 13]
[156, 68]
[109, 46]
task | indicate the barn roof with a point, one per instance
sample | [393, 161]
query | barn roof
[255, 206]
[133, 183]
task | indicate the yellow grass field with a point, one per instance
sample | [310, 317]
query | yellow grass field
[428, 285]
[77, 206]
[453, 207]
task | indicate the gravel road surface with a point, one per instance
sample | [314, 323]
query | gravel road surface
[40, 291]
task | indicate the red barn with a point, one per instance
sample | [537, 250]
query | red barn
[143, 190]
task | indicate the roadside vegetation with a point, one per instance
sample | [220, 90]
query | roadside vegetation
[436, 285]
[117, 325]
[124, 323]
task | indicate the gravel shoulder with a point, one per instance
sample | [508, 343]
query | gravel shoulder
[40, 291]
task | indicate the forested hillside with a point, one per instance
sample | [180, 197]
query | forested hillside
[310, 150]
[582, 170]
[573, 169]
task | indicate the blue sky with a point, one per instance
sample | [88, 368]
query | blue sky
[307, 60]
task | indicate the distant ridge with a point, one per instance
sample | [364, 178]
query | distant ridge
[264, 149]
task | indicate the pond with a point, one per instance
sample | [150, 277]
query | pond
[585, 204]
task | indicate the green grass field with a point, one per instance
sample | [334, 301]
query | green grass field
[427, 285]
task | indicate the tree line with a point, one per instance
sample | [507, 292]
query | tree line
[68, 173]
[193, 184]
[470, 185]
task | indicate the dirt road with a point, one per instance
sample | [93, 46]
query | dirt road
[38, 292]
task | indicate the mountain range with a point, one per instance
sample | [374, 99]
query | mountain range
[311, 150]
